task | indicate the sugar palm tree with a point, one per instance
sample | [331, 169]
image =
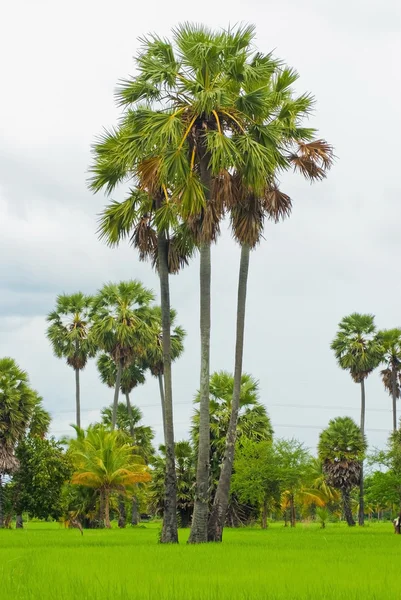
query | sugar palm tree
[358, 350]
[17, 404]
[341, 449]
[39, 424]
[121, 318]
[391, 375]
[103, 462]
[69, 335]
[131, 376]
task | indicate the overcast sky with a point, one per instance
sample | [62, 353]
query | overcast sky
[339, 252]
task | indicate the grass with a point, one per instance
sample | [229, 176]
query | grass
[46, 561]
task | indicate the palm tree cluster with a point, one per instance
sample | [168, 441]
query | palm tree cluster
[359, 349]
[208, 125]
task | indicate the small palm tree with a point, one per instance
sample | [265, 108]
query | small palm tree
[341, 449]
[121, 327]
[17, 404]
[104, 463]
[358, 350]
[69, 334]
[391, 375]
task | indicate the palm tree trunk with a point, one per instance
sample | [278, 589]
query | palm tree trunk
[264, 515]
[347, 508]
[292, 511]
[129, 410]
[221, 499]
[1, 504]
[161, 389]
[361, 513]
[134, 511]
[122, 517]
[169, 531]
[77, 399]
[116, 394]
[201, 506]
[107, 509]
[394, 395]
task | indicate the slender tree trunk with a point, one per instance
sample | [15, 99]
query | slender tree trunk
[107, 509]
[361, 513]
[199, 527]
[134, 511]
[394, 395]
[347, 508]
[292, 511]
[1, 503]
[77, 399]
[221, 499]
[264, 515]
[19, 523]
[161, 389]
[122, 517]
[116, 394]
[129, 410]
[170, 531]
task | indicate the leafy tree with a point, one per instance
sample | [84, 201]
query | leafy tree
[17, 404]
[294, 463]
[391, 375]
[69, 335]
[103, 462]
[121, 325]
[256, 476]
[185, 469]
[358, 350]
[38, 482]
[341, 449]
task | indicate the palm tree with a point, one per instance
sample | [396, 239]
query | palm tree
[40, 420]
[17, 404]
[391, 375]
[358, 350]
[121, 327]
[341, 448]
[103, 462]
[69, 334]
[131, 376]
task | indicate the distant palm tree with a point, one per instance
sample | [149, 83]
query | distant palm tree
[104, 463]
[341, 449]
[122, 318]
[131, 376]
[391, 375]
[17, 404]
[358, 350]
[40, 421]
[69, 334]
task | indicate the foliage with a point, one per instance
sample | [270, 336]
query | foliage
[38, 482]
[140, 436]
[131, 376]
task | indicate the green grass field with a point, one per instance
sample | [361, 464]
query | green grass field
[46, 561]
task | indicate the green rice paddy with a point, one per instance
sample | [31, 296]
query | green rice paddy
[45, 561]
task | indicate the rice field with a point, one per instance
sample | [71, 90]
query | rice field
[45, 561]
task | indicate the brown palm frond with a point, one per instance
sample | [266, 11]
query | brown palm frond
[319, 151]
[277, 204]
[247, 218]
[144, 238]
[148, 172]
[223, 190]
[307, 167]
[387, 379]
[205, 226]
[8, 461]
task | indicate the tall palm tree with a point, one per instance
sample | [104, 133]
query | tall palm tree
[104, 463]
[121, 317]
[341, 449]
[131, 376]
[358, 350]
[17, 404]
[391, 375]
[69, 334]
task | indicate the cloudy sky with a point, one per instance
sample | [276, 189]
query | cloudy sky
[337, 254]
